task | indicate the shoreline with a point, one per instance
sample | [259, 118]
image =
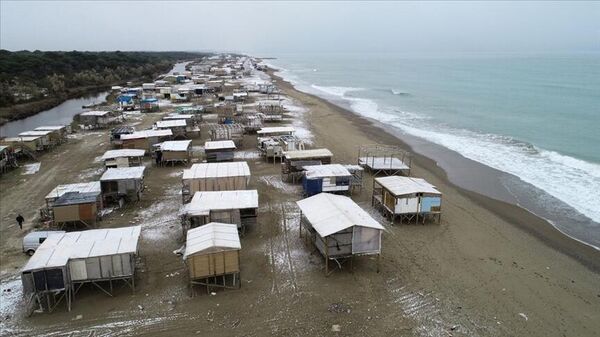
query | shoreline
[516, 215]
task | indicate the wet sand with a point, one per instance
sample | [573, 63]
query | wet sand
[482, 271]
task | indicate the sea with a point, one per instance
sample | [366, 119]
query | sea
[533, 117]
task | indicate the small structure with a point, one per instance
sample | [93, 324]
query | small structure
[116, 133]
[97, 118]
[29, 143]
[177, 127]
[76, 208]
[387, 159]
[272, 110]
[149, 104]
[276, 131]
[407, 198]
[126, 101]
[236, 207]
[65, 262]
[44, 137]
[333, 178]
[234, 132]
[123, 158]
[173, 151]
[84, 188]
[8, 159]
[339, 228]
[212, 255]
[294, 161]
[123, 182]
[356, 181]
[215, 177]
[217, 151]
[58, 132]
[145, 139]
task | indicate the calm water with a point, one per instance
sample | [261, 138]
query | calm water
[536, 117]
[59, 115]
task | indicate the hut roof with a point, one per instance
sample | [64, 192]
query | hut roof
[171, 123]
[58, 248]
[178, 116]
[76, 198]
[211, 238]
[330, 213]
[175, 145]
[217, 170]
[36, 133]
[219, 145]
[398, 185]
[111, 154]
[276, 129]
[147, 134]
[91, 187]
[50, 128]
[121, 173]
[21, 139]
[323, 171]
[98, 113]
[203, 202]
[312, 153]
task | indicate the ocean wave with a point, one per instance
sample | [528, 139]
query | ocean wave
[399, 92]
[336, 91]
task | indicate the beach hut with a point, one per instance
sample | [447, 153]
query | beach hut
[75, 208]
[65, 262]
[123, 158]
[173, 151]
[177, 127]
[228, 176]
[387, 159]
[92, 187]
[237, 207]
[126, 102]
[7, 158]
[339, 228]
[116, 133]
[234, 132]
[145, 139]
[294, 161]
[97, 118]
[44, 137]
[332, 178]
[149, 104]
[58, 132]
[123, 182]
[407, 198]
[217, 151]
[28, 143]
[276, 131]
[212, 256]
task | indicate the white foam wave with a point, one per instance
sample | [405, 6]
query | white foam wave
[336, 91]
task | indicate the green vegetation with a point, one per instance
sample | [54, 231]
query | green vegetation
[31, 77]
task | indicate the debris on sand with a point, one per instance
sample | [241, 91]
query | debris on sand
[31, 168]
[336, 328]
[524, 316]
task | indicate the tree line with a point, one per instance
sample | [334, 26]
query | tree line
[29, 76]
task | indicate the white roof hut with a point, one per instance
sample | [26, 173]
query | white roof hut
[276, 131]
[212, 255]
[333, 178]
[238, 207]
[66, 260]
[220, 150]
[123, 158]
[407, 198]
[227, 176]
[174, 151]
[44, 136]
[294, 161]
[339, 227]
[60, 190]
[128, 182]
[145, 139]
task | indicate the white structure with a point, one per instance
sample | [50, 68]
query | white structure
[276, 131]
[122, 182]
[60, 190]
[228, 176]
[220, 150]
[339, 228]
[334, 178]
[123, 158]
[66, 261]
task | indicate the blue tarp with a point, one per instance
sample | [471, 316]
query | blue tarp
[312, 186]
[124, 99]
[428, 202]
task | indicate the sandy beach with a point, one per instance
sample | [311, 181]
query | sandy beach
[489, 268]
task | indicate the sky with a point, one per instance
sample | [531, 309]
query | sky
[293, 27]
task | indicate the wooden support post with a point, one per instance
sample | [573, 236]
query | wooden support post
[378, 255]
[326, 256]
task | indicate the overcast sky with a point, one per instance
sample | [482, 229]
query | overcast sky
[266, 27]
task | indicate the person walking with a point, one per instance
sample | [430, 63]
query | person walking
[20, 220]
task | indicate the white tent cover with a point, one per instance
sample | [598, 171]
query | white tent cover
[58, 191]
[211, 238]
[171, 123]
[120, 173]
[204, 202]
[276, 130]
[217, 170]
[312, 153]
[324, 171]
[121, 153]
[219, 145]
[330, 213]
[99, 113]
[398, 185]
[175, 145]
[58, 248]
[147, 134]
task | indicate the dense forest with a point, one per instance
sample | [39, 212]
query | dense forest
[27, 77]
